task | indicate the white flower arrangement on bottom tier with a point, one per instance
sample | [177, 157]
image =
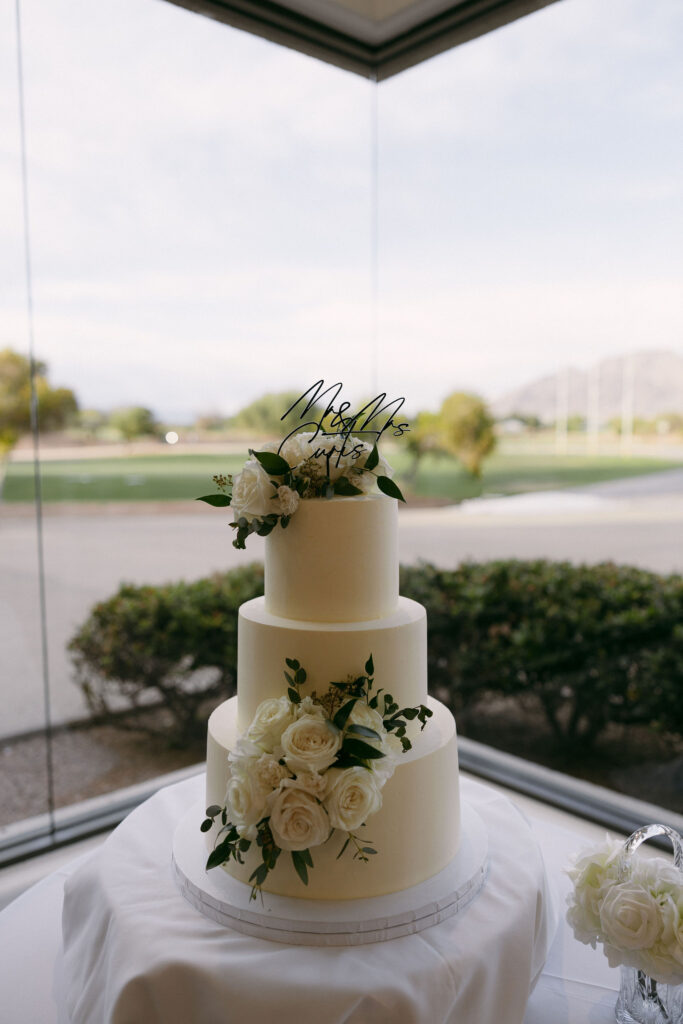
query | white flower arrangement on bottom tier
[308, 768]
[631, 905]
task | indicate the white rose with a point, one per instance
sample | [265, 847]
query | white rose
[245, 800]
[593, 874]
[252, 492]
[672, 926]
[287, 500]
[245, 750]
[352, 458]
[363, 714]
[629, 917]
[353, 796]
[268, 773]
[657, 875]
[310, 744]
[300, 447]
[307, 706]
[272, 717]
[389, 744]
[297, 820]
[659, 964]
[311, 782]
[384, 767]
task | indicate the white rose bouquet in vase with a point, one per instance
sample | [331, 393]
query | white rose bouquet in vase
[634, 908]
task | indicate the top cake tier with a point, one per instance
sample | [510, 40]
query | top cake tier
[337, 561]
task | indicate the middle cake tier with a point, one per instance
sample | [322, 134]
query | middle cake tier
[330, 652]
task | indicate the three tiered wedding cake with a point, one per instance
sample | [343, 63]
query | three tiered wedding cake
[331, 774]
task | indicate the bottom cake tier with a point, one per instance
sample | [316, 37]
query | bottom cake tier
[416, 832]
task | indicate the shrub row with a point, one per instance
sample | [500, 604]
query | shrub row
[171, 646]
[592, 644]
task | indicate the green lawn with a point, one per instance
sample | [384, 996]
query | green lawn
[184, 477]
[515, 473]
[138, 478]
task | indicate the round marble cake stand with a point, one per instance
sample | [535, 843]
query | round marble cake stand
[303, 922]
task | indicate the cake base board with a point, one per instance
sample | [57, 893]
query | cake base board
[304, 922]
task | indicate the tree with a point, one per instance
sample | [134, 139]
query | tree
[467, 430]
[91, 421]
[56, 406]
[133, 421]
[263, 416]
[424, 437]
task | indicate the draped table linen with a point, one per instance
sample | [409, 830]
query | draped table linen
[135, 950]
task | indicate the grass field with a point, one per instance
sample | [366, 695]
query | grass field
[174, 477]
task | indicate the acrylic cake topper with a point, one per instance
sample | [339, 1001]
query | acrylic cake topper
[334, 459]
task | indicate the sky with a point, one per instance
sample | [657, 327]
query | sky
[201, 205]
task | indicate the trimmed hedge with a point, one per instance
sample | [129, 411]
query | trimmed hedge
[173, 646]
[592, 644]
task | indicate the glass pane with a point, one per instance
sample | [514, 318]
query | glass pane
[200, 209]
[531, 214]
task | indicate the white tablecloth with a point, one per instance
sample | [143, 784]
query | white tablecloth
[156, 959]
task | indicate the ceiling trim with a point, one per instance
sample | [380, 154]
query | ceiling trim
[460, 22]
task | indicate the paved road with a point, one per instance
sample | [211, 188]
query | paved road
[87, 554]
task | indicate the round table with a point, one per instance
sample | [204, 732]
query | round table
[135, 950]
[576, 986]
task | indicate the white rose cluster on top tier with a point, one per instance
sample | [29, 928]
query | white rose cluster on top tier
[307, 465]
[634, 907]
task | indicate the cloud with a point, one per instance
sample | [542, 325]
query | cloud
[201, 204]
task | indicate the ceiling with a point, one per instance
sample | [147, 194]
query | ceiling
[374, 38]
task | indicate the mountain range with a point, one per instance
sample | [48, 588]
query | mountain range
[641, 384]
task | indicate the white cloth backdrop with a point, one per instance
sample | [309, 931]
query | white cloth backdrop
[135, 951]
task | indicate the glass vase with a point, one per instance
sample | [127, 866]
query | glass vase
[642, 999]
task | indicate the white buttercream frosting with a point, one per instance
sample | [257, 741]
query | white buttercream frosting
[330, 652]
[337, 561]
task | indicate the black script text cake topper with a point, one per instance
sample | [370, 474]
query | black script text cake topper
[337, 458]
[341, 422]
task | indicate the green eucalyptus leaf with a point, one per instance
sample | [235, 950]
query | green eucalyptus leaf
[273, 464]
[363, 730]
[294, 696]
[217, 500]
[370, 666]
[344, 487]
[372, 459]
[359, 748]
[348, 840]
[220, 854]
[342, 716]
[388, 487]
[213, 810]
[300, 865]
[206, 825]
